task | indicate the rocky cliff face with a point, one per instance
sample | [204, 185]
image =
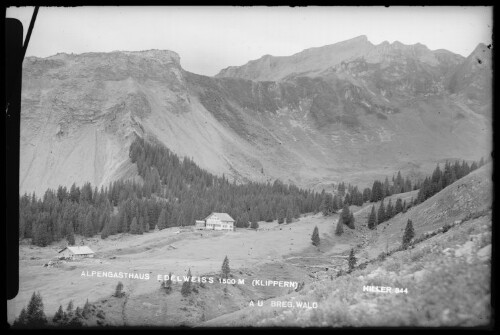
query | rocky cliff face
[351, 111]
[472, 80]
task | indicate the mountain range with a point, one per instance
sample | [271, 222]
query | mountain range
[351, 111]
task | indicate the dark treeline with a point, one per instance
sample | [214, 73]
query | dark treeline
[384, 189]
[442, 178]
[194, 193]
[351, 195]
[430, 186]
[174, 193]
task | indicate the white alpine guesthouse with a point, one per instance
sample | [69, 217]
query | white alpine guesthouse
[217, 221]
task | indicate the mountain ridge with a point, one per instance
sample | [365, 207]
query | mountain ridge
[359, 43]
[353, 122]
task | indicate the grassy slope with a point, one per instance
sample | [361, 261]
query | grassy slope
[447, 275]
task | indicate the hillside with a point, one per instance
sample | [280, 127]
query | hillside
[447, 275]
[473, 193]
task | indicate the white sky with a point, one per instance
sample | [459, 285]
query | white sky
[209, 39]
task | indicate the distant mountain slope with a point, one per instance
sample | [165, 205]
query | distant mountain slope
[355, 121]
[314, 61]
[309, 61]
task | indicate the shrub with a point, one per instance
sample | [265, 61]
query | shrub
[119, 290]
[315, 237]
[351, 260]
[382, 256]
[186, 289]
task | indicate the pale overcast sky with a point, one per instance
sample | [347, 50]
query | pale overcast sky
[209, 39]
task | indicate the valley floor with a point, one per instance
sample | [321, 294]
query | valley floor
[171, 250]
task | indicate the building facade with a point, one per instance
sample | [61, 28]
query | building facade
[76, 252]
[218, 221]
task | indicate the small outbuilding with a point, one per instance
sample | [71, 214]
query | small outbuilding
[199, 224]
[76, 252]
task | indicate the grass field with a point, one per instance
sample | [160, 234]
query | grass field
[161, 252]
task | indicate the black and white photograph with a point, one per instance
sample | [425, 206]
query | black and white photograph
[253, 166]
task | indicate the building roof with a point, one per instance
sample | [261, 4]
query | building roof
[82, 250]
[221, 216]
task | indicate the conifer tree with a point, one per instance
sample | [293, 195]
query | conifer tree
[225, 267]
[315, 237]
[35, 317]
[186, 285]
[59, 315]
[335, 203]
[408, 234]
[385, 187]
[78, 313]
[389, 212]
[367, 194]
[135, 228]
[324, 206]
[407, 184]
[399, 206]
[243, 220]
[289, 214]
[113, 225]
[143, 223]
[381, 213]
[185, 289]
[21, 320]
[346, 215]
[86, 309]
[377, 191]
[340, 227]
[255, 225]
[71, 236]
[168, 283]
[69, 308]
[351, 261]
[372, 219]
[347, 200]
[351, 221]
[105, 232]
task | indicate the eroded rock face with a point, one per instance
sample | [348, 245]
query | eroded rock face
[354, 112]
